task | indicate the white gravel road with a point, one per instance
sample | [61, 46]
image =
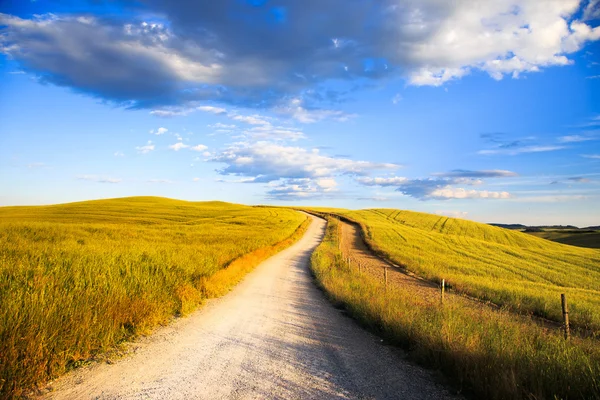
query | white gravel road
[274, 336]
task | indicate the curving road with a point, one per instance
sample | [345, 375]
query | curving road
[274, 336]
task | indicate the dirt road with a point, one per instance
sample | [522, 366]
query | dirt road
[274, 336]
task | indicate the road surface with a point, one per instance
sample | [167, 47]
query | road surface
[274, 336]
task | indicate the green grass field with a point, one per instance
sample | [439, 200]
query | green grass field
[491, 354]
[509, 268]
[76, 279]
[581, 238]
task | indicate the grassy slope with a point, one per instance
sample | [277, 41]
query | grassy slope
[506, 267]
[76, 279]
[488, 352]
[573, 238]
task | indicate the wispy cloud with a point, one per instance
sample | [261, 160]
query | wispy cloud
[163, 181]
[522, 150]
[178, 146]
[99, 179]
[592, 156]
[575, 138]
[146, 149]
[579, 179]
[119, 154]
[452, 213]
[463, 173]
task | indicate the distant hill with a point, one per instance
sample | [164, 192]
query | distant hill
[537, 228]
[565, 234]
[510, 226]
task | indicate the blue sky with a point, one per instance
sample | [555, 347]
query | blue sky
[488, 112]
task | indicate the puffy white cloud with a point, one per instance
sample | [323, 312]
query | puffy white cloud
[271, 161]
[199, 147]
[292, 172]
[159, 131]
[178, 146]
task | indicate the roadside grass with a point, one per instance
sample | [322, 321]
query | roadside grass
[77, 279]
[509, 268]
[491, 354]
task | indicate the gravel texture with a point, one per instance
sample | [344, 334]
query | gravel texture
[274, 336]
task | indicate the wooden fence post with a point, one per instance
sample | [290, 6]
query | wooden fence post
[385, 277]
[442, 290]
[565, 311]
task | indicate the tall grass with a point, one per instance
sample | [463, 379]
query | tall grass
[492, 354]
[76, 279]
[508, 268]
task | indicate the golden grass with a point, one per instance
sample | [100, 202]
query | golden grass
[508, 268]
[76, 279]
[492, 354]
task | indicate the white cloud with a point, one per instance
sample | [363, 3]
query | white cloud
[146, 149]
[498, 37]
[178, 146]
[165, 181]
[296, 109]
[592, 156]
[119, 154]
[212, 110]
[250, 119]
[159, 131]
[452, 213]
[489, 173]
[397, 98]
[199, 147]
[438, 188]
[521, 150]
[378, 181]
[574, 138]
[99, 179]
[271, 161]
[460, 193]
[593, 77]
[219, 125]
[292, 172]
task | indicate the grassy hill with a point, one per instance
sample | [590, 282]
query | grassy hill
[78, 278]
[509, 268]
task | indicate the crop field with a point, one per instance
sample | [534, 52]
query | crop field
[489, 353]
[77, 279]
[509, 268]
